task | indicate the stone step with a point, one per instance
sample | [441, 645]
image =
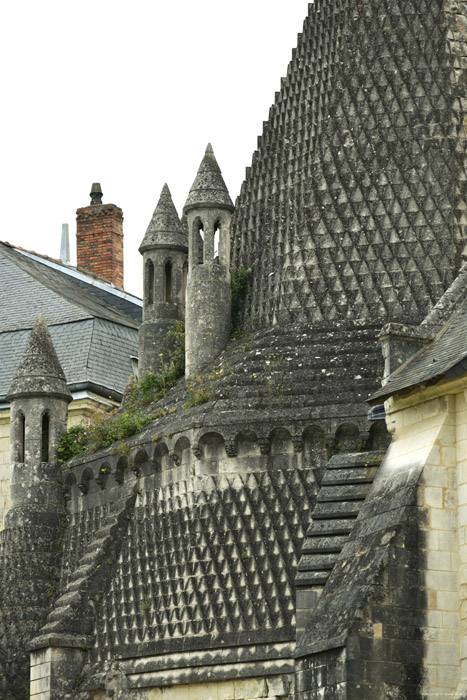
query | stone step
[337, 526]
[311, 578]
[343, 509]
[317, 562]
[344, 492]
[352, 475]
[317, 544]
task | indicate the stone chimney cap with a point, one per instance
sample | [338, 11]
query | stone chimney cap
[165, 228]
[40, 372]
[96, 193]
[209, 189]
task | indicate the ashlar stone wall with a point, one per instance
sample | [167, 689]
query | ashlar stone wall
[426, 429]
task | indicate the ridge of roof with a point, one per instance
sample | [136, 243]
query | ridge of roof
[67, 288]
[77, 272]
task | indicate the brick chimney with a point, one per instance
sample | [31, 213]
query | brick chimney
[99, 238]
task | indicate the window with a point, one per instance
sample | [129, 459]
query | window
[45, 438]
[168, 281]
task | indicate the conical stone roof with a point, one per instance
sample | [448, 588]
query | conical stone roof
[39, 372]
[165, 228]
[209, 188]
[351, 207]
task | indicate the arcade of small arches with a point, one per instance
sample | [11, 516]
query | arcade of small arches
[207, 452]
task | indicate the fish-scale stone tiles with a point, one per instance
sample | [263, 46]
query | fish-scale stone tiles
[212, 564]
[350, 208]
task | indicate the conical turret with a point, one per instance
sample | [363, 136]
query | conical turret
[165, 227]
[39, 372]
[208, 210]
[39, 400]
[209, 188]
[165, 250]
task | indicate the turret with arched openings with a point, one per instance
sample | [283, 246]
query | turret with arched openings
[39, 400]
[208, 210]
[164, 250]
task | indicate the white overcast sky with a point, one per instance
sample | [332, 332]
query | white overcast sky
[128, 93]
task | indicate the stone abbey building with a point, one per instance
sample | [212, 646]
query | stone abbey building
[278, 540]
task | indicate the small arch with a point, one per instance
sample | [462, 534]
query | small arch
[213, 448]
[161, 457]
[347, 438]
[86, 477]
[149, 282]
[70, 482]
[104, 472]
[45, 437]
[315, 454]
[122, 465]
[20, 436]
[247, 444]
[198, 242]
[184, 281]
[168, 281]
[141, 463]
[379, 436]
[282, 450]
[182, 450]
[217, 233]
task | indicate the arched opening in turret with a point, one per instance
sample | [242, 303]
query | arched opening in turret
[217, 233]
[184, 281]
[197, 242]
[168, 281]
[21, 436]
[149, 282]
[45, 437]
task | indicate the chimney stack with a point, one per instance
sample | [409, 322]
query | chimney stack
[99, 238]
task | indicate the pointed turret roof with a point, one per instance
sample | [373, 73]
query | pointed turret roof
[209, 188]
[40, 372]
[165, 228]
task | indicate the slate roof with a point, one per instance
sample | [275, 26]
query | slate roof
[446, 356]
[93, 336]
[352, 205]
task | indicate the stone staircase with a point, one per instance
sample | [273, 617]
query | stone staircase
[344, 487]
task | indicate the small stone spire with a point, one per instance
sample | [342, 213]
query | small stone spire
[65, 244]
[209, 188]
[96, 193]
[165, 227]
[39, 372]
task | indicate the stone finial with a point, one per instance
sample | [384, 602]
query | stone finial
[96, 193]
[165, 227]
[65, 244]
[40, 372]
[209, 188]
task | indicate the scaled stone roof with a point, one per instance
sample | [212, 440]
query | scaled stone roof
[165, 227]
[39, 371]
[352, 207]
[209, 188]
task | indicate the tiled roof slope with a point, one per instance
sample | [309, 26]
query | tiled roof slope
[29, 288]
[446, 356]
[91, 351]
[352, 207]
